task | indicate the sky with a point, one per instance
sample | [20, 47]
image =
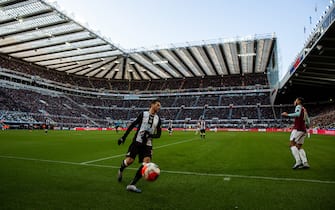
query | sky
[147, 23]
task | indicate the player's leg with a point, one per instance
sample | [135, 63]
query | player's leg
[295, 154]
[302, 154]
[294, 150]
[132, 186]
[144, 157]
[202, 133]
[138, 174]
[124, 164]
[130, 157]
[303, 157]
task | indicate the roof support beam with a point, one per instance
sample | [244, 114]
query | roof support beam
[183, 62]
[11, 2]
[146, 57]
[212, 65]
[114, 74]
[317, 63]
[124, 67]
[224, 59]
[254, 57]
[109, 70]
[99, 66]
[62, 51]
[138, 72]
[79, 70]
[196, 62]
[76, 66]
[15, 19]
[314, 82]
[143, 66]
[239, 61]
[271, 53]
[31, 28]
[170, 64]
[69, 56]
[44, 38]
[320, 69]
[51, 45]
[179, 60]
[318, 75]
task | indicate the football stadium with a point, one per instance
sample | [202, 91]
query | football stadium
[68, 94]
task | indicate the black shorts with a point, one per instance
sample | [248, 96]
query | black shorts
[142, 150]
[202, 130]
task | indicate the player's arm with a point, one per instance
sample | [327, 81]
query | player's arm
[307, 119]
[158, 132]
[130, 128]
[296, 112]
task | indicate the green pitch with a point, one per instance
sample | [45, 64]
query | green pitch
[227, 170]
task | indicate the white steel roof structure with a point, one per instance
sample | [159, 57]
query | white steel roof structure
[38, 32]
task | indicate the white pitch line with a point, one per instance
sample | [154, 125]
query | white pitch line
[115, 156]
[250, 177]
[40, 160]
[106, 158]
[179, 142]
[178, 172]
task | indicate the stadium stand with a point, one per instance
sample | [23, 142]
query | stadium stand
[231, 83]
[311, 74]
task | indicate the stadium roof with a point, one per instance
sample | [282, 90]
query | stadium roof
[312, 74]
[38, 32]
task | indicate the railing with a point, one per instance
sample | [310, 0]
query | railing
[202, 42]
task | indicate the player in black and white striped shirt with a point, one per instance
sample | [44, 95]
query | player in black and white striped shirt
[202, 128]
[148, 126]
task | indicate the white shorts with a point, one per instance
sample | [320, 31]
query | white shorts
[298, 136]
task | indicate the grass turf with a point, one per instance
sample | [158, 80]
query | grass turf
[228, 170]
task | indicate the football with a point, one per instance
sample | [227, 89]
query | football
[150, 171]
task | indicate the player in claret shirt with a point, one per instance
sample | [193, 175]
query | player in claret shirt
[298, 134]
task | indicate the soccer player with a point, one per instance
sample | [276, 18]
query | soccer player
[170, 128]
[202, 128]
[46, 125]
[197, 128]
[117, 125]
[298, 134]
[148, 126]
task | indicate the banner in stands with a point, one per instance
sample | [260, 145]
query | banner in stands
[314, 131]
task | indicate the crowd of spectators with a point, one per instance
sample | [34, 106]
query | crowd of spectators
[235, 106]
[68, 109]
[324, 121]
[127, 85]
[325, 117]
[77, 109]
